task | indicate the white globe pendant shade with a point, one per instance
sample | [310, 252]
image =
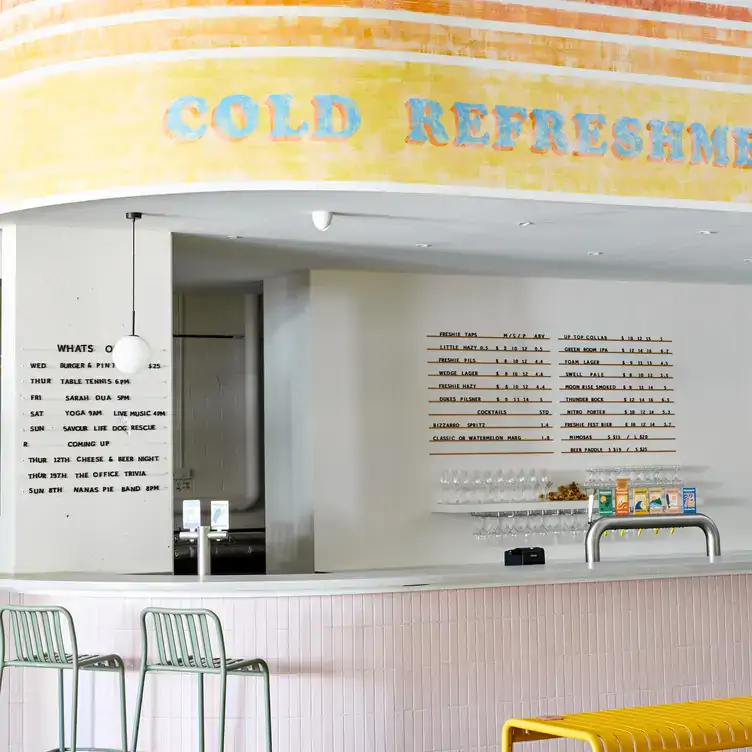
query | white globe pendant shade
[131, 354]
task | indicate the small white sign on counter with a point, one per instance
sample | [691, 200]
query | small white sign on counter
[192, 514]
[220, 515]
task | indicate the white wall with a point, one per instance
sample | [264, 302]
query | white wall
[289, 430]
[65, 286]
[374, 479]
[217, 421]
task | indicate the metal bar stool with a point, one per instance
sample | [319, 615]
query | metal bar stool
[192, 642]
[44, 637]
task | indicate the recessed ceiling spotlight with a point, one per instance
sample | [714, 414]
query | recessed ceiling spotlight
[322, 220]
[422, 245]
[525, 224]
[595, 253]
[708, 232]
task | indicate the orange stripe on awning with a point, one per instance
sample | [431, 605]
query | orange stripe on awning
[80, 10]
[370, 34]
[681, 7]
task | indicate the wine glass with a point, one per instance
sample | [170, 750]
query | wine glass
[531, 484]
[455, 484]
[497, 489]
[510, 485]
[481, 533]
[445, 487]
[535, 522]
[544, 480]
[488, 486]
[507, 524]
[465, 485]
[590, 480]
[551, 521]
[650, 476]
[478, 486]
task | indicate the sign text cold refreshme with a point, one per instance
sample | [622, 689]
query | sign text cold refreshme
[500, 127]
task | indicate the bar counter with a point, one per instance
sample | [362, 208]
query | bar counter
[375, 581]
[430, 660]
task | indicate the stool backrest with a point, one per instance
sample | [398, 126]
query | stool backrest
[183, 638]
[39, 635]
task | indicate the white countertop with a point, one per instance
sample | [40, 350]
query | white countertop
[381, 581]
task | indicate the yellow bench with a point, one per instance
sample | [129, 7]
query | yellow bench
[684, 727]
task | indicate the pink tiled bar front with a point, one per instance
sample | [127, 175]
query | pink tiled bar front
[429, 671]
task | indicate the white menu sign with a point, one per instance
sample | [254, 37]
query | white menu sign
[87, 428]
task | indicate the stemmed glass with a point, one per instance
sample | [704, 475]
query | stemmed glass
[455, 484]
[551, 521]
[545, 482]
[507, 524]
[532, 485]
[590, 479]
[496, 491]
[482, 531]
[676, 476]
[463, 486]
[535, 523]
[445, 487]
[650, 479]
[488, 487]
[510, 486]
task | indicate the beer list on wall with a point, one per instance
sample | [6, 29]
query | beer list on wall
[516, 393]
[490, 393]
[616, 394]
[87, 428]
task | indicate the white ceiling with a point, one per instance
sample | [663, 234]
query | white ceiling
[377, 230]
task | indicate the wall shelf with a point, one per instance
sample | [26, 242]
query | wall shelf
[507, 506]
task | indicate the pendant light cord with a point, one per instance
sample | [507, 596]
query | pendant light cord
[133, 216]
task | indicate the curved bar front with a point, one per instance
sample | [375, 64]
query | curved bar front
[397, 661]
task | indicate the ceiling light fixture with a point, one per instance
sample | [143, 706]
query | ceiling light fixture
[322, 220]
[132, 353]
[708, 232]
[595, 253]
[422, 245]
[748, 261]
[525, 224]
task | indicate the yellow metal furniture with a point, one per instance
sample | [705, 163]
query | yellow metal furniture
[684, 727]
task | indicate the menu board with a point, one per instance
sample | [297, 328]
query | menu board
[516, 393]
[616, 394]
[88, 429]
[490, 394]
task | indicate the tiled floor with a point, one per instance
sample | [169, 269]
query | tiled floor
[423, 672]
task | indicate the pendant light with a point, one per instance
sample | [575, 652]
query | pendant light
[132, 353]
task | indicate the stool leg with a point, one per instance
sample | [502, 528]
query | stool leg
[139, 702]
[267, 707]
[123, 718]
[74, 711]
[201, 713]
[222, 709]
[61, 711]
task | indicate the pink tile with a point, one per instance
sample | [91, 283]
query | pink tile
[432, 671]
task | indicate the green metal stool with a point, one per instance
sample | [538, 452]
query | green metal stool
[44, 637]
[192, 642]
